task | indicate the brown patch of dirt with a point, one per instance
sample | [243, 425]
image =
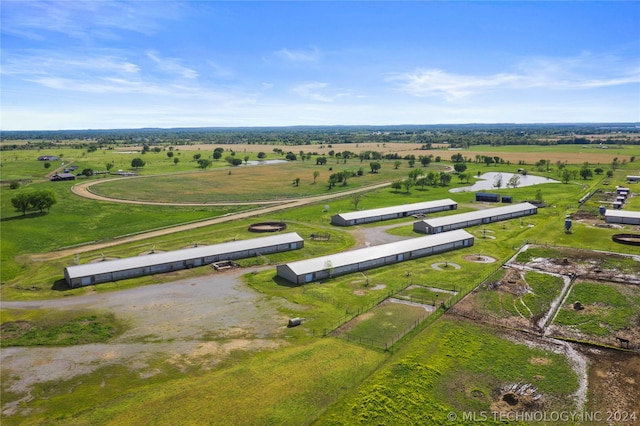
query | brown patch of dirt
[517, 398]
[614, 383]
[13, 329]
[540, 361]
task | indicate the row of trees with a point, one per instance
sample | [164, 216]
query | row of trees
[34, 201]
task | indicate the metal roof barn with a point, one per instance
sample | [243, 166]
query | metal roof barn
[464, 220]
[325, 267]
[113, 270]
[622, 216]
[393, 212]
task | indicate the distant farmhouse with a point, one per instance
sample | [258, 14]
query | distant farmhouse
[48, 158]
[62, 176]
[394, 212]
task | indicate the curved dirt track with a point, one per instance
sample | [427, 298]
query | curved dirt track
[82, 190]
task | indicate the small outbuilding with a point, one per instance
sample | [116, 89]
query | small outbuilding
[464, 220]
[48, 158]
[62, 176]
[633, 179]
[394, 212]
[622, 216]
[326, 267]
[487, 197]
[119, 269]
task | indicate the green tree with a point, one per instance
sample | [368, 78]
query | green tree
[586, 172]
[246, 159]
[203, 163]
[375, 166]
[316, 173]
[355, 199]
[108, 166]
[47, 165]
[425, 160]
[445, 178]
[41, 200]
[176, 160]
[599, 170]
[296, 182]
[407, 183]
[411, 162]
[20, 202]
[170, 154]
[217, 154]
[609, 173]
[261, 155]
[396, 185]
[137, 162]
[397, 164]
[514, 181]
[566, 175]
[320, 161]
[460, 167]
[196, 157]
[87, 172]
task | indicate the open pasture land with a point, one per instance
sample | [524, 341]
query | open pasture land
[601, 312]
[248, 183]
[222, 370]
[455, 366]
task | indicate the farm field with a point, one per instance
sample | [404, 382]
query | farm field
[491, 328]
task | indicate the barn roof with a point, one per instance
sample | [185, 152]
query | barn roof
[622, 213]
[308, 266]
[396, 209]
[107, 266]
[479, 214]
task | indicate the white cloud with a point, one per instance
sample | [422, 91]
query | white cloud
[557, 74]
[172, 65]
[312, 55]
[318, 91]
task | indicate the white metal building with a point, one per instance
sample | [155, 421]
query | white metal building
[324, 267]
[394, 212]
[622, 216]
[113, 270]
[464, 220]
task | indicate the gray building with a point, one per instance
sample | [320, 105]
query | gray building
[622, 216]
[119, 269]
[394, 212]
[464, 220]
[325, 267]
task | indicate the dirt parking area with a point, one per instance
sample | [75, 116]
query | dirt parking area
[196, 320]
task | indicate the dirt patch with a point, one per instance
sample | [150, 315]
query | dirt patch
[477, 258]
[443, 266]
[614, 383]
[517, 398]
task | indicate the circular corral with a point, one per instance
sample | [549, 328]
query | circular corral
[267, 227]
[629, 239]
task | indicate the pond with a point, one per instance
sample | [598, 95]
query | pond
[262, 162]
[489, 180]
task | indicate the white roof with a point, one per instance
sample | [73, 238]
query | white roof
[178, 255]
[397, 209]
[622, 213]
[479, 214]
[307, 266]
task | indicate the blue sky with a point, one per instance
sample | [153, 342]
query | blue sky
[102, 65]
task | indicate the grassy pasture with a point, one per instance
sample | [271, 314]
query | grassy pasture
[56, 328]
[608, 308]
[451, 366]
[290, 386]
[252, 183]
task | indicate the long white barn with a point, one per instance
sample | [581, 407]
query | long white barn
[393, 212]
[113, 270]
[464, 220]
[622, 216]
[324, 267]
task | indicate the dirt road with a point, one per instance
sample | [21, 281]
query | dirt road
[83, 191]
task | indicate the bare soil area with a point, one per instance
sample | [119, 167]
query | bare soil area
[198, 321]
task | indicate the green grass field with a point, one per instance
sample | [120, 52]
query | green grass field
[607, 308]
[450, 365]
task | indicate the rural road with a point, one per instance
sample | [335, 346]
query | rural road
[83, 191]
